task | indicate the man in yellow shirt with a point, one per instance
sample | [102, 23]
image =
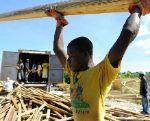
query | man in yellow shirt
[39, 71]
[89, 84]
[45, 66]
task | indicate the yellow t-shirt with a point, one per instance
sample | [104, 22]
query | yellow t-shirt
[88, 90]
[39, 69]
[45, 67]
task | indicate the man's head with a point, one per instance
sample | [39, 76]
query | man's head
[27, 60]
[80, 51]
[8, 78]
[45, 61]
[141, 74]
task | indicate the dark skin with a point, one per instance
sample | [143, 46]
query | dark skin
[80, 61]
[128, 34]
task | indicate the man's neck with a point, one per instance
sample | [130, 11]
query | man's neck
[91, 63]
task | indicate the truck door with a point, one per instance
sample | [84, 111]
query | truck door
[56, 70]
[8, 67]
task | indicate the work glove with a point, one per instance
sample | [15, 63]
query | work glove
[59, 17]
[144, 5]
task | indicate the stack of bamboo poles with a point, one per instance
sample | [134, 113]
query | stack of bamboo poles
[31, 104]
[34, 104]
[118, 114]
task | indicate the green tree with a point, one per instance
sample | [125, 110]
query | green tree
[66, 78]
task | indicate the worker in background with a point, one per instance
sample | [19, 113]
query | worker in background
[34, 72]
[39, 71]
[20, 71]
[144, 93]
[27, 70]
[9, 84]
[90, 84]
[45, 69]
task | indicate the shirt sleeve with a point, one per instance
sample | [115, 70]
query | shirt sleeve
[108, 74]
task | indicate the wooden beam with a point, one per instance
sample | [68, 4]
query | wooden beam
[72, 7]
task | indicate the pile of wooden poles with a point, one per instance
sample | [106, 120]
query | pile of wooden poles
[34, 104]
[117, 114]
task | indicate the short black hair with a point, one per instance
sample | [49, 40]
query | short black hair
[141, 75]
[82, 44]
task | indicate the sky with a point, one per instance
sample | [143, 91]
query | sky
[102, 29]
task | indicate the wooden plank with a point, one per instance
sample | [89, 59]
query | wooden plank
[14, 117]
[14, 101]
[48, 115]
[19, 112]
[10, 114]
[29, 119]
[22, 103]
[39, 117]
[30, 105]
[72, 7]
[110, 118]
[66, 119]
[118, 111]
[5, 108]
[37, 101]
[37, 113]
[2, 116]
[58, 114]
[28, 112]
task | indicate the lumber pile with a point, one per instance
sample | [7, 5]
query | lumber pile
[125, 96]
[33, 104]
[117, 114]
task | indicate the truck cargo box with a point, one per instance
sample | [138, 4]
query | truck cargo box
[10, 60]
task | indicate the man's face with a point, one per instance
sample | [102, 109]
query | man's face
[8, 78]
[78, 61]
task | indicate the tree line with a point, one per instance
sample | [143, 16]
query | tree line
[132, 75]
[121, 75]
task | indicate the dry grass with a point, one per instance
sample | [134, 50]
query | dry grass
[126, 85]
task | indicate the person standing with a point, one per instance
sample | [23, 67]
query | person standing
[34, 72]
[39, 71]
[45, 66]
[144, 93]
[9, 84]
[89, 83]
[20, 69]
[27, 70]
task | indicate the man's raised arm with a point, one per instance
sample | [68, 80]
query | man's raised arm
[58, 45]
[128, 34]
